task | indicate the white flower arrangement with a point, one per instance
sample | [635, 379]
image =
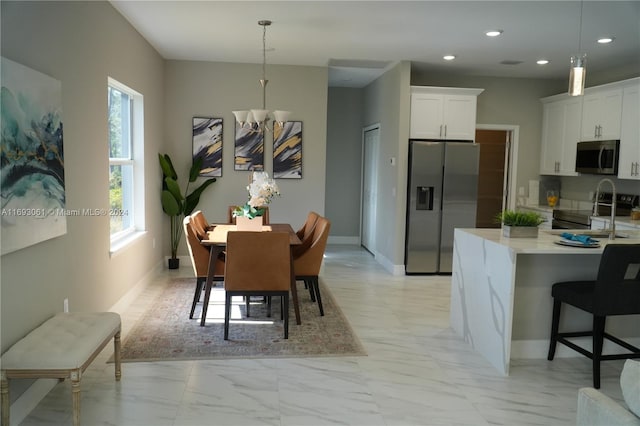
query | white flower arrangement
[261, 190]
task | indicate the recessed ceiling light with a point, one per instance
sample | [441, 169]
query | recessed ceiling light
[493, 33]
[542, 61]
[605, 40]
[449, 57]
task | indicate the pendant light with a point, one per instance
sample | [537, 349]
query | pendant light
[259, 117]
[578, 70]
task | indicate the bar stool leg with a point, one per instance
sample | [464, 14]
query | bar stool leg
[555, 323]
[598, 340]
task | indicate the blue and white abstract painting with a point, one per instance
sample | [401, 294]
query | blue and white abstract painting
[32, 161]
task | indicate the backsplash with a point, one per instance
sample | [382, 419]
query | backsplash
[583, 187]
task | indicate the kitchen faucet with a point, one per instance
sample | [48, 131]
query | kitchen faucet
[612, 225]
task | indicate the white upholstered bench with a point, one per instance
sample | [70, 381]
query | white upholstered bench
[62, 347]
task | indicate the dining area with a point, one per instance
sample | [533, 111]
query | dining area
[258, 261]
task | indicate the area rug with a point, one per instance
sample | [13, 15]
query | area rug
[165, 332]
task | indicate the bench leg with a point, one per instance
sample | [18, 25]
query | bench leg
[116, 355]
[75, 395]
[4, 390]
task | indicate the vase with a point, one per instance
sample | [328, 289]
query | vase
[520, 231]
[244, 223]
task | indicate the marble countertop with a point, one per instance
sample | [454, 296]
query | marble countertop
[545, 242]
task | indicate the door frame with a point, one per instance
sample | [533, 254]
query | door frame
[513, 136]
[362, 170]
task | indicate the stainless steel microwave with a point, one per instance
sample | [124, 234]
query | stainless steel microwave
[598, 157]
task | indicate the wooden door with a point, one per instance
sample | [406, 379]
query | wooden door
[491, 176]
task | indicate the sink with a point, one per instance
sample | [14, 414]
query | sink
[603, 233]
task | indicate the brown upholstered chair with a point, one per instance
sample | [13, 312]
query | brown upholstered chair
[199, 255]
[231, 219]
[201, 223]
[305, 234]
[257, 263]
[307, 265]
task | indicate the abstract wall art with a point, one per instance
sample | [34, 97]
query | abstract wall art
[249, 149]
[287, 150]
[31, 155]
[207, 143]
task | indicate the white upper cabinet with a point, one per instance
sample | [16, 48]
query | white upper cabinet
[560, 134]
[629, 162]
[601, 113]
[443, 113]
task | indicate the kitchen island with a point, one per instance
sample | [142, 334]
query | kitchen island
[501, 300]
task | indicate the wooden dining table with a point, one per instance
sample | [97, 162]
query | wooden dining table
[217, 241]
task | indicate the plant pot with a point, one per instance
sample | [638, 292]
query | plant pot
[245, 224]
[174, 262]
[520, 231]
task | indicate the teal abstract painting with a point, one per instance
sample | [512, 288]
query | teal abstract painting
[32, 162]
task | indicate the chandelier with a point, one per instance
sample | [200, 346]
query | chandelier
[578, 70]
[257, 118]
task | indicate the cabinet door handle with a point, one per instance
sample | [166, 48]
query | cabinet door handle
[445, 131]
[595, 131]
[441, 130]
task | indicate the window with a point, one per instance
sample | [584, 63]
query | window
[126, 173]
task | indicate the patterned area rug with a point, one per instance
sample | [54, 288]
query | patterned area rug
[165, 331]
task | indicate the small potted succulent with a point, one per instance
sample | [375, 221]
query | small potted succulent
[519, 224]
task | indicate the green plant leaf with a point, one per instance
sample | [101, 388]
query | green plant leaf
[169, 204]
[193, 199]
[513, 218]
[174, 189]
[196, 166]
[167, 166]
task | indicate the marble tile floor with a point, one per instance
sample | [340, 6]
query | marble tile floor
[417, 371]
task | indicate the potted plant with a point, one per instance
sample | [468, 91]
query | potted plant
[261, 189]
[519, 224]
[177, 204]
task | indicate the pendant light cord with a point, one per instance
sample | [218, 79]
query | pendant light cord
[264, 63]
[580, 28]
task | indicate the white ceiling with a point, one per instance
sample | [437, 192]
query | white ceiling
[358, 39]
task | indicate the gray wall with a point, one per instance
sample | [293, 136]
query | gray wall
[344, 171]
[214, 90]
[81, 44]
[387, 102]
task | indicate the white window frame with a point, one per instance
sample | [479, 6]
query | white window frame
[135, 207]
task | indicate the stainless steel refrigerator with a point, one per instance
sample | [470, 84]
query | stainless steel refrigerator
[442, 195]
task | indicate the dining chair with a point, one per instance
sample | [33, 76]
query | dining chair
[305, 234]
[231, 219]
[615, 291]
[201, 223]
[199, 255]
[307, 265]
[257, 264]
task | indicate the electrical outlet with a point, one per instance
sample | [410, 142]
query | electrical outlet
[66, 305]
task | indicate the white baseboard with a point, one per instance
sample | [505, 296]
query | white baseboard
[387, 264]
[32, 396]
[125, 301]
[30, 399]
[344, 240]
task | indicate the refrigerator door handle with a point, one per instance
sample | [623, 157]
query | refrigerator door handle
[424, 198]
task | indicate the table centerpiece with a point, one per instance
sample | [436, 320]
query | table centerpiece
[261, 190]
